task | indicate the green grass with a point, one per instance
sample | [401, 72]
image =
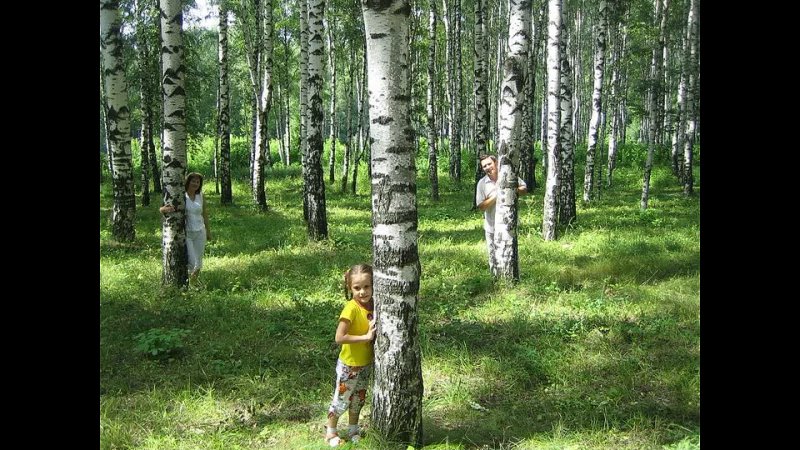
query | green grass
[597, 347]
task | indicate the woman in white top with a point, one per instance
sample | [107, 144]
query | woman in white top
[197, 229]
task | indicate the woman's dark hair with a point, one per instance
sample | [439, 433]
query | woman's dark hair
[354, 270]
[189, 179]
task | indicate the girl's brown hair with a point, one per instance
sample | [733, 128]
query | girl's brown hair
[348, 276]
[189, 178]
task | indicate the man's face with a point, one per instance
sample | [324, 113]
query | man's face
[489, 168]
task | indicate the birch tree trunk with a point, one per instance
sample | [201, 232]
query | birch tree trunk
[348, 148]
[597, 99]
[511, 126]
[615, 109]
[118, 122]
[303, 103]
[264, 102]
[552, 185]
[226, 196]
[332, 66]
[479, 89]
[433, 173]
[566, 201]
[455, 125]
[652, 106]
[147, 113]
[363, 119]
[317, 215]
[692, 70]
[172, 88]
[398, 386]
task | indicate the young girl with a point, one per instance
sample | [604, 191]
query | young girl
[355, 333]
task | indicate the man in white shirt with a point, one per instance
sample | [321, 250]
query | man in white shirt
[486, 198]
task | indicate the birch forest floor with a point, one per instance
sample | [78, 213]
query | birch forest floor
[597, 347]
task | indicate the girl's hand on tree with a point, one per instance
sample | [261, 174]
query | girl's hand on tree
[371, 332]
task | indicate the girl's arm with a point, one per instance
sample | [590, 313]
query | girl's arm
[343, 338]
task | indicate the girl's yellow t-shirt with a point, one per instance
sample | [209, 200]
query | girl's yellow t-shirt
[360, 353]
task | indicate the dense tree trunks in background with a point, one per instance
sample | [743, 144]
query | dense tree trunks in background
[597, 99]
[480, 96]
[566, 201]
[332, 73]
[224, 131]
[693, 77]
[454, 44]
[118, 125]
[303, 102]
[398, 387]
[315, 195]
[172, 90]
[147, 118]
[433, 175]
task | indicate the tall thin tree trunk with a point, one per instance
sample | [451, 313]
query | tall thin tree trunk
[304, 103]
[479, 90]
[552, 185]
[332, 66]
[173, 232]
[692, 70]
[317, 215]
[123, 214]
[597, 101]
[398, 386]
[433, 176]
[226, 196]
[147, 119]
[566, 202]
[511, 128]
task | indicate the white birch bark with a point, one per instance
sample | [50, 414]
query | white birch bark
[510, 129]
[332, 115]
[433, 173]
[692, 70]
[597, 99]
[224, 132]
[118, 123]
[174, 169]
[566, 201]
[552, 185]
[315, 195]
[479, 89]
[397, 397]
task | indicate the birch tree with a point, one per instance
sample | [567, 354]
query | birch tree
[303, 104]
[566, 202]
[433, 175]
[173, 74]
[511, 126]
[118, 124]
[398, 387]
[481, 100]
[597, 100]
[144, 92]
[315, 196]
[552, 185]
[692, 70]
[224, 131]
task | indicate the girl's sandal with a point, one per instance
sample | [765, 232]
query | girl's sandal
[333, 440]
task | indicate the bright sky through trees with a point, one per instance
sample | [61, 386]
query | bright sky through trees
[202, 15]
